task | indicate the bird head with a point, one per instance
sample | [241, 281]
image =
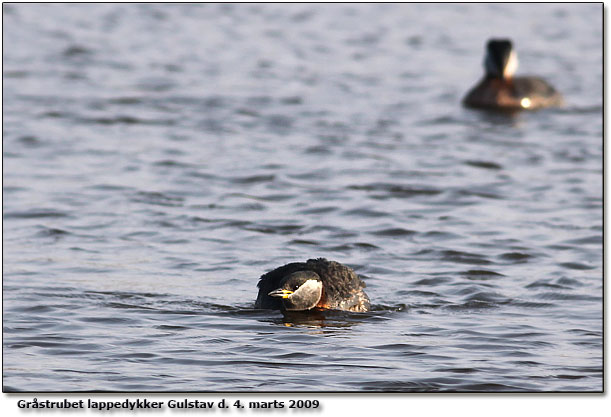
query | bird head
[501, 60]
[300, 290]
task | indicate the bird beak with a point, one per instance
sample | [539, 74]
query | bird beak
[280, 293]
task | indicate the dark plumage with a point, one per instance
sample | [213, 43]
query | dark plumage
[497, 57]
[341, 288]
[499, 89]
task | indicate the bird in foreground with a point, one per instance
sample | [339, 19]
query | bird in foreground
[315, 284]
[500, 90]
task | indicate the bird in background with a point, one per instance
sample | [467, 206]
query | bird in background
[500, 90]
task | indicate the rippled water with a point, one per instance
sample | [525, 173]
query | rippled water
[159, 158]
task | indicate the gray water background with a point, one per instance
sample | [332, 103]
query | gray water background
[157, 159]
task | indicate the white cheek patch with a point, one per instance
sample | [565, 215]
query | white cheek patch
[512, 65]
[310, 285]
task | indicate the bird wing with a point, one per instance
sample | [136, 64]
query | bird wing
[533, 86]
[340, 282]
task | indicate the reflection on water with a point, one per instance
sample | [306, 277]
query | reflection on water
[327, 319]
[158, 159]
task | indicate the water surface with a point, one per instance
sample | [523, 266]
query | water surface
[157, 159]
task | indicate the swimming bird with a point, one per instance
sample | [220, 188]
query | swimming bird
[315, 284]
[500, 90]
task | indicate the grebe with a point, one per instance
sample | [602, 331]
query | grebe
[500, 90]
[315, 284]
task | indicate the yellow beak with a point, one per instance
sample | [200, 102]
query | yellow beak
[280, 293]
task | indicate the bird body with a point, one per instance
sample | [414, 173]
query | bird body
[315, 284]
[519, 93]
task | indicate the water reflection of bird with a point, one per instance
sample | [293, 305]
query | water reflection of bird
[499, 89]
[315, 284]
